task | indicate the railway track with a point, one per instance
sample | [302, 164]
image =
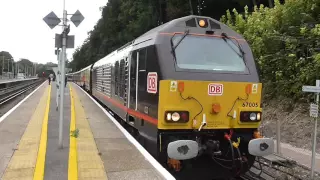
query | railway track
[8, 94]
[286, 169]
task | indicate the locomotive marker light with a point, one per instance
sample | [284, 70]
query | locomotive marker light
[181, 87]
[202, 23]
[314, 114]
[63, 41]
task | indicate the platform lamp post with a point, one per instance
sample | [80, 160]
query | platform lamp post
[63, 41]
[57, 51]
[2, 67]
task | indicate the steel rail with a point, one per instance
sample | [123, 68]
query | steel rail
[18, 92]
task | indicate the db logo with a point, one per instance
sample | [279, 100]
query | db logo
[215, 89]
[152, 82]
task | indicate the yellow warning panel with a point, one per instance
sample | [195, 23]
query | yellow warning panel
[88, 163]
[28, 160]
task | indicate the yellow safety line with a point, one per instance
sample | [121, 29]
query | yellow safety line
[90, 164]
[39, 169]
[73, 166]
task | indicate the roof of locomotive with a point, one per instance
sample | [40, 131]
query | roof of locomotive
[79, 70]
[176, 25]
[119, 53]
[180, 25]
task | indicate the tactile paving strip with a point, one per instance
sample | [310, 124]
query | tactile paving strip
[90, 165]
[23, 162]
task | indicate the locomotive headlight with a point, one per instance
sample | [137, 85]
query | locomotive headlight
[175, 116]
[202, 23]
[169, 116]
[258, 116]
[253, 116]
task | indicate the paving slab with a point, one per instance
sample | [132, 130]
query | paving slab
[89, 163]
[14, 125]
[56, 166]
[5, 81]
[120, 157]
[24, 159]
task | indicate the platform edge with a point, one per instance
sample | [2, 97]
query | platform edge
[72, 165]
[39, 169]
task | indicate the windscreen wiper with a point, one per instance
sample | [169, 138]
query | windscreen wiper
[174, 47]
[224, 35]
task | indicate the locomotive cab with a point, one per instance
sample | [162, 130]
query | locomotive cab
[209, 95]
[190, 92]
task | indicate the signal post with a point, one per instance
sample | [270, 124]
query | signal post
[314, 113]
[62, 41]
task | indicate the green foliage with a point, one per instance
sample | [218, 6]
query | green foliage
[25, 64]
[75, 133]
[284, 41]
[6, 60]
[121, 22]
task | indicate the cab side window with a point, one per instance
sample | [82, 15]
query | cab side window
[142, 69]
[133, 68]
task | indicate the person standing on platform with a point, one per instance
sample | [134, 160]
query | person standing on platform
[65, 81]
[49, 79]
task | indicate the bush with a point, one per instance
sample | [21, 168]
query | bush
[284, 41]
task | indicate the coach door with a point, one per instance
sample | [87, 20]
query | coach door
[137, 77]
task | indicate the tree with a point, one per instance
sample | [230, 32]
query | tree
[284, 41]
[6, 61]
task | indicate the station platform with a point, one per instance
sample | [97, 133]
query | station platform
[6, 81]
[94, 145]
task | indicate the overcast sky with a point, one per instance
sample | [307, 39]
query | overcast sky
[24, 34]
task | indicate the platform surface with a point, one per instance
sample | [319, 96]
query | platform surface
[5, 81]
[93, 146]
[301, 156]
[13, 127]
[121, 160]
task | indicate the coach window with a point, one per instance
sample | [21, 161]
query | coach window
[133, 69]
[142, 69]
[116, 80]
[142, 60]
[122, 78]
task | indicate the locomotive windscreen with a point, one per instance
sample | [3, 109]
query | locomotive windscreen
[208, 53]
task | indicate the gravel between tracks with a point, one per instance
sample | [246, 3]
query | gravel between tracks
[297, 171]
[7, 106]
